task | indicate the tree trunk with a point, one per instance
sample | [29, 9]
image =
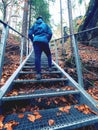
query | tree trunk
[4, 11]
[10, 14]
[70, 21]
[30, 15]
[24, 23]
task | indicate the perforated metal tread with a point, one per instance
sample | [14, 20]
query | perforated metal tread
[68, 121]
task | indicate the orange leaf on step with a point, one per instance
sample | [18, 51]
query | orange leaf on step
[1, 118]
[31, 117]
[9, 128]
[38, 116]
[1, 125]
[21, 115]
[51, 122]
[36, 113]
[10, 124]
[65, 109]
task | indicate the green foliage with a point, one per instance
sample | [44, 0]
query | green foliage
[76, 23]
[40, 8]
[80, 1]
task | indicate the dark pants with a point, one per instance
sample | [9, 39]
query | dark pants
[40, 47]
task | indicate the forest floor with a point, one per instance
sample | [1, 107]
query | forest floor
[12, 57]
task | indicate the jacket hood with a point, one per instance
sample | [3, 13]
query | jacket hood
[39, 21]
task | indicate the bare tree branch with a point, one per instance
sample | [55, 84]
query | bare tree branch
[2, 1]
[8, 3]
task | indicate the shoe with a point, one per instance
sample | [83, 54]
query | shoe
[50, 69]
[38, 76]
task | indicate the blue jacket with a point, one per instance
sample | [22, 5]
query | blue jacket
[40, 32]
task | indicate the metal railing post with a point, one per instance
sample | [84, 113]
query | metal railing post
[3, 46]
[21, 48]
[78, 62]
[4, 36]
[30, 46]
[27, 48]
[56, 52]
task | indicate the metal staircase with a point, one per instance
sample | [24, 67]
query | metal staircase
[63, 121]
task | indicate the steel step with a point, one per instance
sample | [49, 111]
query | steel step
[40, 81]
[40, 93]
[33, 64]
[74, 119]
[34, 72]
[43, 67]
[33, 60]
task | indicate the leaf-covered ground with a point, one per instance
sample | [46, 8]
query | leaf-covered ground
[89, 65]
[11, 58]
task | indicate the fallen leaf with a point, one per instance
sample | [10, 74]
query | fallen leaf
[12, 93]
[61, 109]
[51, 122]
[85, 109]
[63, 99]
[55, 101]
[21, 115]
[1, 118]
[9, 128]
[31, 117]
[48, 103]
[65, 109]
[1, 125]
[36, 113]
[23, 109]
[10, 124]
[38, 116]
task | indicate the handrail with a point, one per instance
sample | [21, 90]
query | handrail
[5, 24]
[54, 39]
[76, 53]
[87, 30]
[4, 36]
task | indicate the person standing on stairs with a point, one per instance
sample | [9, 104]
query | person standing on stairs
[40, 34]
